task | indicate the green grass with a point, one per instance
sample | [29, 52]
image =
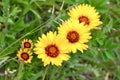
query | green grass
[21, 19]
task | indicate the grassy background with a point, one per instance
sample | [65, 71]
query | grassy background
[30, 18]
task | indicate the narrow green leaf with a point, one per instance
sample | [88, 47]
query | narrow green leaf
[2, 37]
[109, 55]
[37, 75]
[108, 27]
[5, 7]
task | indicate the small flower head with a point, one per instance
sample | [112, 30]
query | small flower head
[86, 14]
[51, 48]
[76, 35]
[25, 55]
[27, 44]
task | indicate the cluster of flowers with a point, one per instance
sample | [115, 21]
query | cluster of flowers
[72, 35]
[25, 53]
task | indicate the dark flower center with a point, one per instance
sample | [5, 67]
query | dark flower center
[27, 45]
[52, 50]
[84, 19]
[73, 36]
[25, 56]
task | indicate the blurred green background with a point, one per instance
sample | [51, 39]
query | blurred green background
[21, 19]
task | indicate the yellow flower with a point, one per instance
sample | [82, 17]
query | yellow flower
[25, 55]
[51, 49]
[27, 44]
[76, 35]
[86, 14]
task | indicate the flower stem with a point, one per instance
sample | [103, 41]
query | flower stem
[46, 70]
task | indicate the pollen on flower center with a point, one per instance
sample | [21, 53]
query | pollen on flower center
[25, 56]
[84, 19]
[52, 51]
[27, 45]
[73, 36]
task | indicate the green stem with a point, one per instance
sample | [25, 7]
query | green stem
[46, 70]
[20, 71]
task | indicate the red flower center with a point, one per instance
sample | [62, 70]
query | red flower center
[52, 50]
[84, 19]
[25, 56]
[27, 45]
[73, 36]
